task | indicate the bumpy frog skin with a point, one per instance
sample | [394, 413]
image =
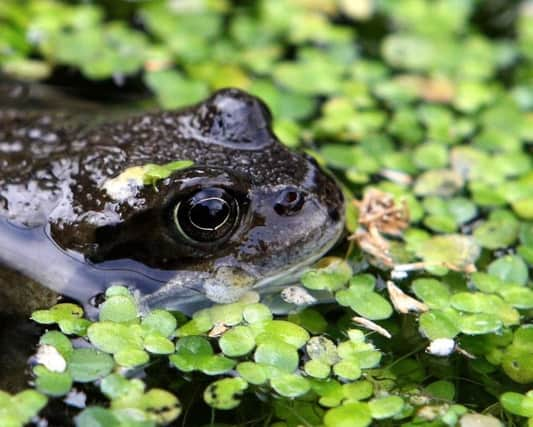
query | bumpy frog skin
[249, 212]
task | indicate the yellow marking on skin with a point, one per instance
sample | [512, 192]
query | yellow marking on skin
[126, 184]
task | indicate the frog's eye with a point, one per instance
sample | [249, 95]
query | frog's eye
[207, 216]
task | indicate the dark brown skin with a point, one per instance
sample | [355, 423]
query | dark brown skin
[280, 210]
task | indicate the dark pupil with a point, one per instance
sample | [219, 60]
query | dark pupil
[209, 214]
[291, 196]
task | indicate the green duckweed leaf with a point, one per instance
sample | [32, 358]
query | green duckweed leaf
[160, 321]
[385, 407]
[256, 313]
[131, 357]
[486, 282]
[227, 314]
[290, 385]
[158, 405]
[252, 373]
[516, 359]
[348, 369]
[431, 155]
[441, 223]
[94, 416]
[52, 383]
[277, 353]
[330, 274]
[59, 341]
[310, 319]
[353, 414]
[154, 173]
[28, 403]
[357, 390]
[453, 251]
[280, 330]
[441, 182]
[509, 268]
[194, 345]
[115, 386]
[237, 341]
[112, 337]
[517, 296]
[441, 389]
[433, 292]
[157, 344]
[86, 365]
[479, 323]
[67, 316]
[215, 365]
[517, 403]
[317, 369]
[500, 231]
[322, 349]
[118, 308]
[436, 324]
[222, 393]
[370, 305]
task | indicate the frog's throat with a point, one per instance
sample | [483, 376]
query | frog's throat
[229, 283]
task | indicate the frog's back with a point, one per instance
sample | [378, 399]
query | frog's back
[35, 158]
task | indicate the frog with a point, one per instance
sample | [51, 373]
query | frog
[239, 213]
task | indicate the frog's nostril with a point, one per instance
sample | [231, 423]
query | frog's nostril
[334, 214]
[288, 202]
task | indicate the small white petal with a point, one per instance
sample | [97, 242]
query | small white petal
[52, 359]
[441, 347]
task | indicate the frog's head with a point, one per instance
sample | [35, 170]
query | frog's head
[247, 214]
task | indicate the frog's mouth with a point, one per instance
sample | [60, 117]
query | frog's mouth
[294, 272]
[191, 291]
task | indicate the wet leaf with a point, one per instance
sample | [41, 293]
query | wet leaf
[433, 292]
[222, 394]
[118, 309]
[510, 268]
[280, 330]
[438, 183]
[452, 251]
[86, 365]
[517, 403]
[385, 407]
[353, 414]
[330, 274]
[160, 321]
[290, 385]
[238, 341]
[277, 353]
[481, 323]
[52, 383]
[370, 305]
[252, 373]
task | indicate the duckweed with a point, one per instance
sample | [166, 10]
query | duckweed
[429, 101]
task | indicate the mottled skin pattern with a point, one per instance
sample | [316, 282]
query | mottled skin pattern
[52, 174]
